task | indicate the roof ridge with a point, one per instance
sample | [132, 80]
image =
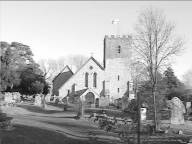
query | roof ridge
[62, 72]
[91, 58]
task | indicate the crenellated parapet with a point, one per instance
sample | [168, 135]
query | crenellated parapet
[117, 36]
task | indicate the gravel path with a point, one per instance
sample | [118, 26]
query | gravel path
[59, 122]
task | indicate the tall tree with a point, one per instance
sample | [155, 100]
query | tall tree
[155, 43]
[19, 72]
[14, 57]
[173, 86]
[171, 80]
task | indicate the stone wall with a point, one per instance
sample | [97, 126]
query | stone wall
[117, 64]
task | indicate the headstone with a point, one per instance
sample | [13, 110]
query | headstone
[16, 96]
[104, 101]
[38, 101]
[177, 111]
[48, 97]
[143, 114]
[125, 102]
[188, 107]
[8, 98]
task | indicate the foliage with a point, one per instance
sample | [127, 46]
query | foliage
[168, 86]
[132, 109]
[19, 72]
[174, 87]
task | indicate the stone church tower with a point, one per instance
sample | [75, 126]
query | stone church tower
[117, 56]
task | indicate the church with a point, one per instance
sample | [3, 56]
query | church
[99, 84]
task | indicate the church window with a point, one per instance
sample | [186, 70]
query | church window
[118, 77]
[95, 80]
[118, 90]
[86, 79]
[73, 88]
[119, 49]
[90, 67]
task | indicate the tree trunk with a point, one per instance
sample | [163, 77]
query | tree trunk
[154, 107]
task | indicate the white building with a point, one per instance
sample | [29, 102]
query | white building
[108, 82]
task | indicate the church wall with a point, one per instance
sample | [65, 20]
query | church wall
[79, 79]
[117, 55]
[118, 75]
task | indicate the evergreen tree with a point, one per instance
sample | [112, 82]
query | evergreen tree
[174, 87]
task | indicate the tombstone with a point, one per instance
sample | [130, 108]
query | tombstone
[48, 98]
[125, 102]
[177, 111]
[143, 114]
[188, 107]
[38, 101]
[16, 96]
[104, 101]
[8, 98]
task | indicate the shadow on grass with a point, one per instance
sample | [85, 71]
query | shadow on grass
[36, 109]
[31, 135]
[69, 108]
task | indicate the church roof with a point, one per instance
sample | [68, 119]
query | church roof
[77, 93]
[91, 58]
[62, 77]
[65, 70]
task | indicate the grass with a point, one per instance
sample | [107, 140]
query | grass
[31, 135]
[37, 109]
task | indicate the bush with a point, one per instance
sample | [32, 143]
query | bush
[111, 113]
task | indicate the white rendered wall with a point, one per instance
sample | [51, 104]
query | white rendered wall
[79, 79]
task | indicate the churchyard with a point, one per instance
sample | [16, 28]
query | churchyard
[132, 97]
[100, 124]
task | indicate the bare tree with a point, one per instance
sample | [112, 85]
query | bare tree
[51, 67]
[77, 60]
[155, 43]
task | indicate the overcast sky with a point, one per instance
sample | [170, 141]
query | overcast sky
[58, 28]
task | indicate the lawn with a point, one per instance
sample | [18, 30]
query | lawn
[37, 109]
[32, 135]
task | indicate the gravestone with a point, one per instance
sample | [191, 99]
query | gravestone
[38, 100]
[177, 111]
[125, 102]
[104, 101]
[188, 107]
[8, 98]
[48, 97]
[143, 114]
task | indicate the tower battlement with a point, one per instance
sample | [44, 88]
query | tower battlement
[117, 36]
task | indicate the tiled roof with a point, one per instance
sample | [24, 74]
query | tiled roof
[77, 93]
[60, 79]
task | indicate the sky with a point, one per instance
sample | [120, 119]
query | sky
[56, 29]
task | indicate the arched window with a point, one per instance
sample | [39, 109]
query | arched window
[95, 80]
[86, 79]
[119, 49]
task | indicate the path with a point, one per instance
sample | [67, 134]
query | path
[59, 122]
